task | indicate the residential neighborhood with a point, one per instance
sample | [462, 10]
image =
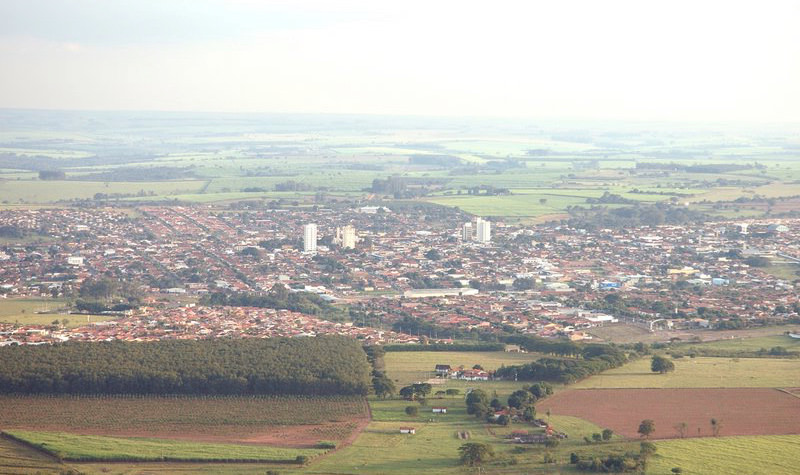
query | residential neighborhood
[405, 276]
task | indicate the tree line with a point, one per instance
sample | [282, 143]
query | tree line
[323, 365]
[593, 359]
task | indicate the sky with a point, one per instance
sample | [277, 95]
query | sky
[632, 60]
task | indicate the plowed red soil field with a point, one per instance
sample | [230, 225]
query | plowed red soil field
[758, 411]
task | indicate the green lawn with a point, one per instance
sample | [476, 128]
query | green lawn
[764, 455]
[88, 448]
[701, 372]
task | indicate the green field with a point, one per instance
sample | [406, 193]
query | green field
[754, 344]
[37, 191]
[701, 372]
[764, 455]
[99, 448]
[41, 312]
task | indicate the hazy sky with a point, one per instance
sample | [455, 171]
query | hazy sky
[672, 60]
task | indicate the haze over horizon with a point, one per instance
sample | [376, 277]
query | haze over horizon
[625, 60]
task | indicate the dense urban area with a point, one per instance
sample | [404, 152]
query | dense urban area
[413, 274]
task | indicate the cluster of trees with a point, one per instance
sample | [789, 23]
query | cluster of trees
[103, 294]
[717, 168]
[275, 243]
[279, 297]
[447, 347]
[292, 185]
[629, 462]
[435, 160]
[599, 217]
[14, 232]
[594, 359]
[324, 365]
[599, 437]
[52, 175]
[610, 198]
[520, 404]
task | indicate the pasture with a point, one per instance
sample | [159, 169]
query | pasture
[701, 372]
[764, 455]
[755, 343]
[745, 411]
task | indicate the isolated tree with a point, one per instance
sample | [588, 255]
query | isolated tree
[453, 392]
[716, 426]
[407, 392]
[475, 453]
[646, 428]
[412, 410]
[682, 429]
[607, 433]
[382, 385]
[659, 364]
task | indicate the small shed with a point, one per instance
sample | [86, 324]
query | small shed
[440, 410]
[408, 430]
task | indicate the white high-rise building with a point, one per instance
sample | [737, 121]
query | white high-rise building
[466, 232]
[310, 238]
[346, 237]
[483, 231]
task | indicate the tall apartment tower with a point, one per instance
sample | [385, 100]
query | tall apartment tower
[310, 238]
[466, 232]
[346, 237]
[483, 230]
